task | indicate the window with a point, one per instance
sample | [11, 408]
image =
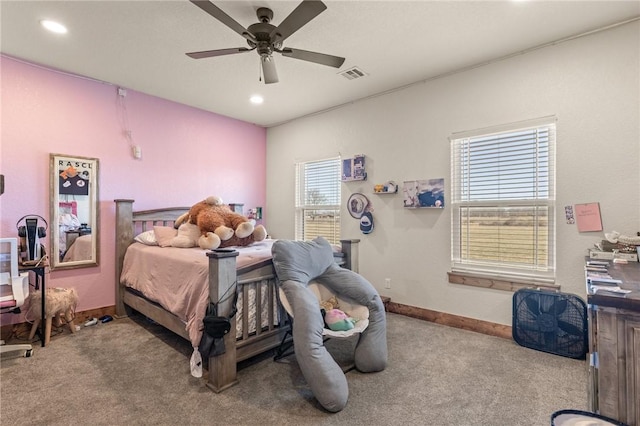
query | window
[318, 200]
[503, 202]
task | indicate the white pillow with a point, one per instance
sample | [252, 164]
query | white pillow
[147, 237]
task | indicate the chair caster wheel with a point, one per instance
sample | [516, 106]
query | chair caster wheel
[28, 353]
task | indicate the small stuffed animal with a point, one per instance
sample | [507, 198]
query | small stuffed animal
[337, 320]
[332, 303]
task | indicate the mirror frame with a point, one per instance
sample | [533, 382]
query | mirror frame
[82, 164]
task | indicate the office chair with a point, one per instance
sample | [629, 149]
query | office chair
[12, 296]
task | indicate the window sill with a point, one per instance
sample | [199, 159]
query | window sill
[496, 284]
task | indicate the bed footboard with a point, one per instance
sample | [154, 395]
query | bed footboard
[261, 332]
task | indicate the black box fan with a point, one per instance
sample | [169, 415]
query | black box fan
[551, 322]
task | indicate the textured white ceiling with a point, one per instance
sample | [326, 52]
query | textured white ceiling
[141, 45]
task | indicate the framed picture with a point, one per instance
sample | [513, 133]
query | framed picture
[353, 168]
[424, 193]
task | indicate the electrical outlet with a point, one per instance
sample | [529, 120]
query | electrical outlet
[387, 283]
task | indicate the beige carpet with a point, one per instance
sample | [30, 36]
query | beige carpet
[131, 372]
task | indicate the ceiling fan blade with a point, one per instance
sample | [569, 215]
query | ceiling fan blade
[269, 69]
[221, 16]
[318, 58]
[301, 15]
[218, 52]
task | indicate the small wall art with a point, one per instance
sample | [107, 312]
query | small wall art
[353, 168]
[588, 217]
[424, 193]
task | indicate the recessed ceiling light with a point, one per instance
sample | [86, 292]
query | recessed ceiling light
[256, 99]
[53, 26]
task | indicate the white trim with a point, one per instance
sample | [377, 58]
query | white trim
[508, 127]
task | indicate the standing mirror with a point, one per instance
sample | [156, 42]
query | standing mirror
[74, 212]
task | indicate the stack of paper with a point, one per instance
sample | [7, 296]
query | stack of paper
[608, 290]
[603, 263]
[603, 281]
[599, 280]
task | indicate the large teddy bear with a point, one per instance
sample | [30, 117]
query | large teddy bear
[219, 226]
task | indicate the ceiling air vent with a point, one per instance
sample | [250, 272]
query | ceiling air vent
[353, 73]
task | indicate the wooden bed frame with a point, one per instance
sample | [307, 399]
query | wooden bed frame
[222, 275]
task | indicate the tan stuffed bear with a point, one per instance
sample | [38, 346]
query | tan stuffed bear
[259, 233]
[219, 225]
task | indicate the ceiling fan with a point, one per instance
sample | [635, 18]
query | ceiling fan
[267, 38]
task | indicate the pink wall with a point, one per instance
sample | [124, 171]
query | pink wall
[187, 155]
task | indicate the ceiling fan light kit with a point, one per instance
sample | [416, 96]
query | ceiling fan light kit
[266, 38]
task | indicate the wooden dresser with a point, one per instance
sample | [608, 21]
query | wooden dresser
[614, 346]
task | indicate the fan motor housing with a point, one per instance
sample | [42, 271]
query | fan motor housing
[261, 31]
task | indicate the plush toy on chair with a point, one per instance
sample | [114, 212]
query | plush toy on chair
[296, 264]
[337, 320]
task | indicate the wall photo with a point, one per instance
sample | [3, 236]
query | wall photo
[427, 193]
[353, 168]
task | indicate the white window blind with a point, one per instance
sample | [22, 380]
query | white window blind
[503, 201]
[318, 200]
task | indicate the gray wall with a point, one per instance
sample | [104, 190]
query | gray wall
[591, 84]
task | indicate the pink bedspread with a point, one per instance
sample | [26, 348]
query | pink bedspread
[177, 278]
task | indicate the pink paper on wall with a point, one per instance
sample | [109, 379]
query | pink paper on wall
[588, 217]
